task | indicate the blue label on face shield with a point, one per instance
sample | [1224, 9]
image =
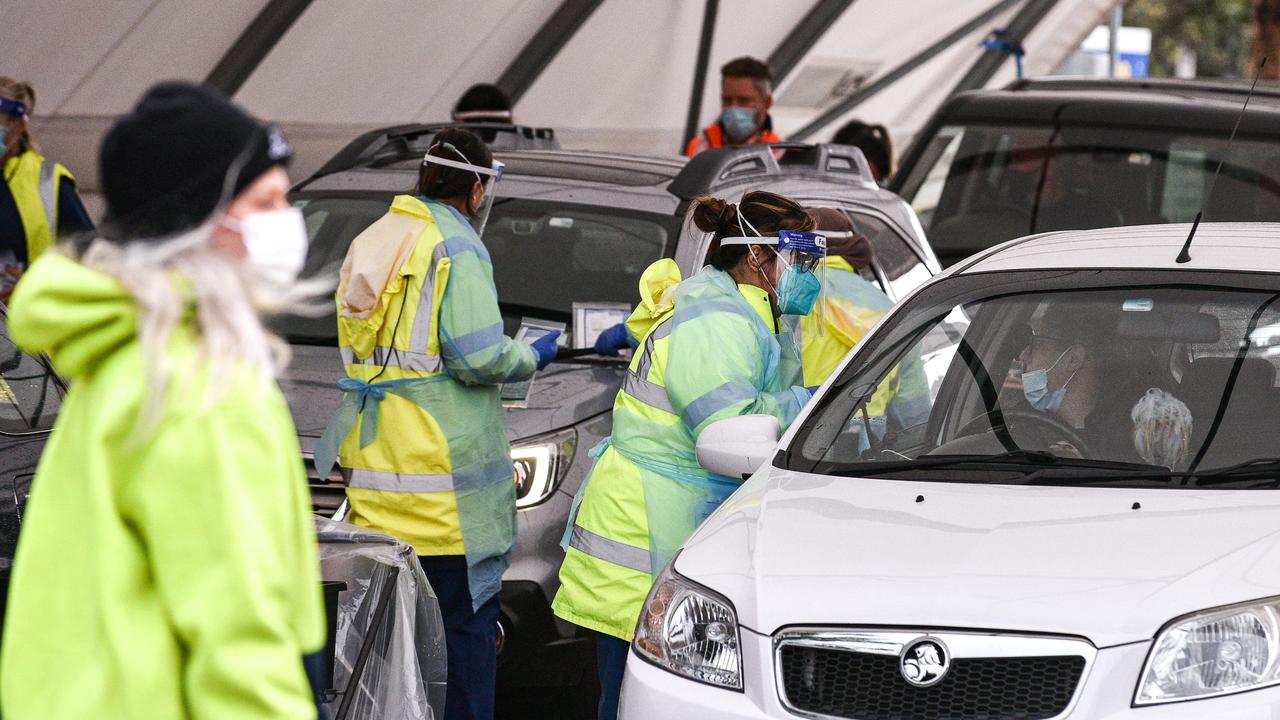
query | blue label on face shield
[810, 243]
[12, 108]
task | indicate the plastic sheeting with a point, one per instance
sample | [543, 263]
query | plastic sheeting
[389, 659]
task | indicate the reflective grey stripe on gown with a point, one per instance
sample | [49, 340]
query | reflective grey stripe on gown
[391, 357]
[663, 330]
[648, 392]
[400, 482]
[423, 330]
[602, 548]
[48, 189]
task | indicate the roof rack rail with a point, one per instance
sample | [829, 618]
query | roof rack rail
[401, 142]
[760, 161]
[1170, 85]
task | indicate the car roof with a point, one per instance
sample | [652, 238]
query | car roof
[582, 177]
[1233, 247]
[1142, 104]
[382, 161]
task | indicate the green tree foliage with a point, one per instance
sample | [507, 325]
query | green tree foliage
[1217, 31]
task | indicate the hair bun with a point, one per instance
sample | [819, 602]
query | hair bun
[728, 216]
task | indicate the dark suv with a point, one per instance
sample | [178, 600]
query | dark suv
[570, 226]
[1059, 154]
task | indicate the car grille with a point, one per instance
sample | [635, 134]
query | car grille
[869, 686]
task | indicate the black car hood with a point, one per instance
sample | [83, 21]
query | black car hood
[563, 394]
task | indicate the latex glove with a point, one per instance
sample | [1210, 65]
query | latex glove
[546, 348]
[813, 389]
[613, 339]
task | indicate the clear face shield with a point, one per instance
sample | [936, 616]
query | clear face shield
[802, 286]
[488, 178]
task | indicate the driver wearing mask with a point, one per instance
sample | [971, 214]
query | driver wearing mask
[1074, 370]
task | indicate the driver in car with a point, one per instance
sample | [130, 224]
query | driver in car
[1084, 378]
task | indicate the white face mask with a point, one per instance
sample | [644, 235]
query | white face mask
[277, 244]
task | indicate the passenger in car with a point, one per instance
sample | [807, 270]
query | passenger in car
[1162, 428]
[709, 352]
[167, 566]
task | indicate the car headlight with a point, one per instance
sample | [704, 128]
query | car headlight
[539, 464]
[690, 630]
[1215, 652]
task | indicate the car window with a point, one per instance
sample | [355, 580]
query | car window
[979, 185]
[29, 391]
[1155, 374]
[901, 267]
[897, 266]
[548, 255]
[545, 255]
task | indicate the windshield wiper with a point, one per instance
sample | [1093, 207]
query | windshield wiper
[1264, 468]
[1012, 457]
[1038, 465]
[1257, 468]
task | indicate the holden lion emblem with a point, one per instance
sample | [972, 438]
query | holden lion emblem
[924, 662]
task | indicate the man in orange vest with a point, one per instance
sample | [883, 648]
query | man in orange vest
[746, 95]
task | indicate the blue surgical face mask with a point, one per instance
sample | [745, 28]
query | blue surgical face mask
[1035, 387]
[738, 123]
[797, 291]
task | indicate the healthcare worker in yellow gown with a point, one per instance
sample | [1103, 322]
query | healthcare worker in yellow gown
[708, 351]
[421, 426]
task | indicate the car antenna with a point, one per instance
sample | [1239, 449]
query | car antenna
[1185, 255]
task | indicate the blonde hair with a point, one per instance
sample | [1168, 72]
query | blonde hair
[25, 93]
[168, 279]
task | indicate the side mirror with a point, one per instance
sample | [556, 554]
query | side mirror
[736, 447]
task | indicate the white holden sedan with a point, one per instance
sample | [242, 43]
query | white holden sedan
[1046, 486]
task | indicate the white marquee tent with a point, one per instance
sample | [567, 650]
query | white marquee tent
[615, 74]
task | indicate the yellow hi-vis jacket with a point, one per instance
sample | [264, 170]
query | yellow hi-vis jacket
[853, 306]
[167, 575]
[34, 181]
[709, 352]
[421, 337]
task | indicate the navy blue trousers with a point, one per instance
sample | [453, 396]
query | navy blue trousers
[471, 637]
[611, 663]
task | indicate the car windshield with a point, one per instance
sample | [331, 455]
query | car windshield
[991, 376]
[546, 256]
[979, 185]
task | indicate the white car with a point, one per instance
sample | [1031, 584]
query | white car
[958, 553]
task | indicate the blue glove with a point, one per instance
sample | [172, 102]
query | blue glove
[813, 389]
[546, 348]
[613, 339]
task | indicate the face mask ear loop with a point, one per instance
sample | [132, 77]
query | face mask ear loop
[760, 269]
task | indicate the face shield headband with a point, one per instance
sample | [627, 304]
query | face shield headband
[492, 173]
[802, 253]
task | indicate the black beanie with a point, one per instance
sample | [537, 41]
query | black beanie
[164, 165]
